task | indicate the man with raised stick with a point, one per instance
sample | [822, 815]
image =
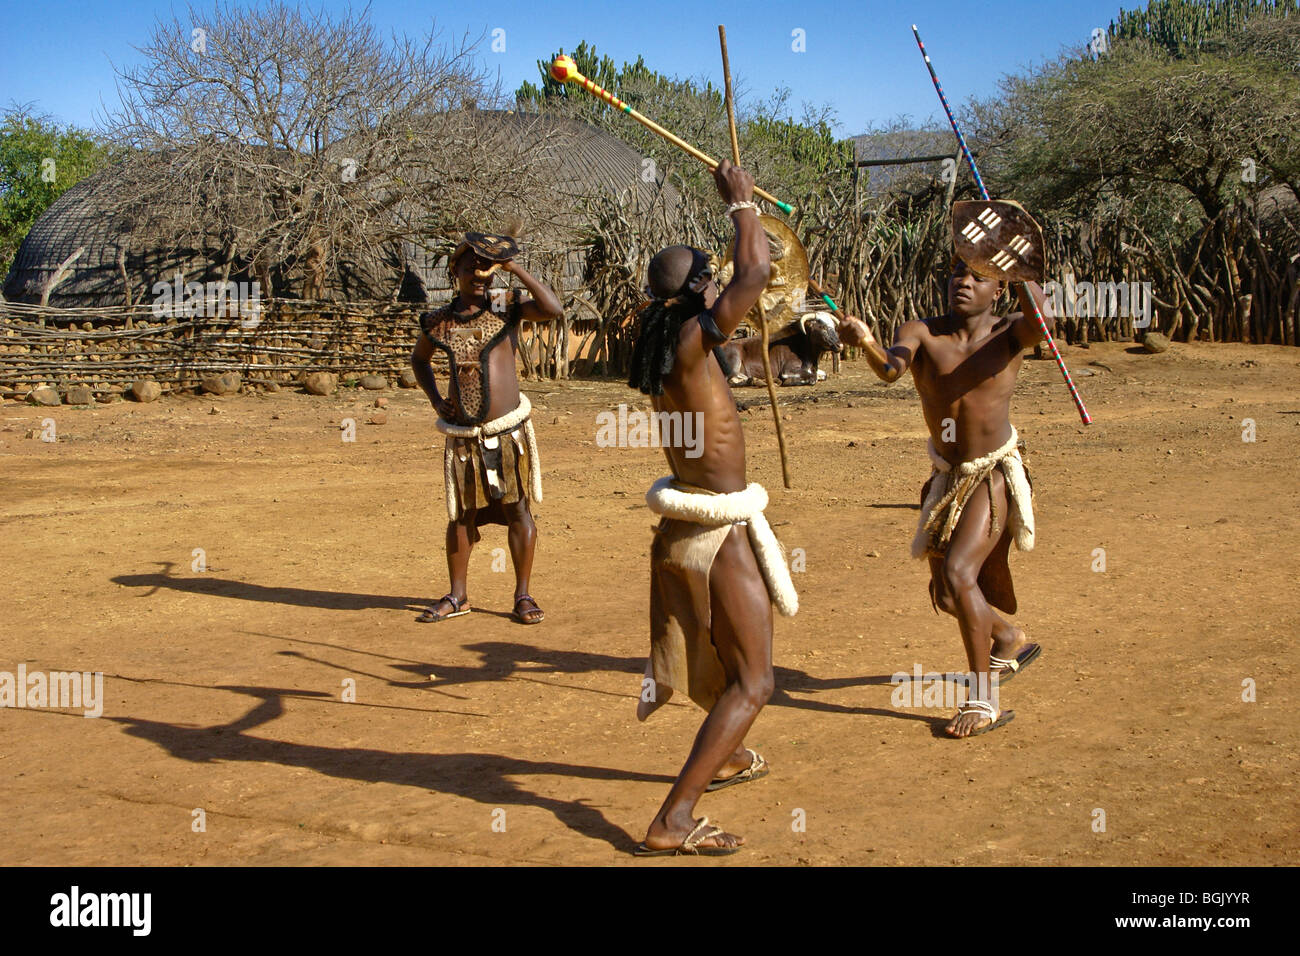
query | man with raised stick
[490, 462]
[964, 364]
[716, 567]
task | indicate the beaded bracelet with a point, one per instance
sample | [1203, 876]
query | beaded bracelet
[737, 206]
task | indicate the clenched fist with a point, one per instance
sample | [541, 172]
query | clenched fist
[734, 183]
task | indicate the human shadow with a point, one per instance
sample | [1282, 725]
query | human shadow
[481, 777]
[788, 679]
[500, 660]
[245, 591]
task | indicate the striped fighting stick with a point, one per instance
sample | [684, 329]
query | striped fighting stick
[564, 70]
[1026, 298]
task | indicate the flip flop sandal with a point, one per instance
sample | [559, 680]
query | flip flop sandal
[520, 617]
[1007, 669]
[988, 710]
[691, 845]
[430, 616]
[757, 769]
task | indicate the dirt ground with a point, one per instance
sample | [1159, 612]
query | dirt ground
[480, 741]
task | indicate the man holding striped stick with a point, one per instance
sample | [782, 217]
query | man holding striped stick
[978, 498]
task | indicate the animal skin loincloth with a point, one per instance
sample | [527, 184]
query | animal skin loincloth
[490, 465]
[693, 525]
[945, 496]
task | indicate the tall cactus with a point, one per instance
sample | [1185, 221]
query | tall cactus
[1183, 27]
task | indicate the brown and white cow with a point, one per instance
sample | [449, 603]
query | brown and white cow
[794, 352]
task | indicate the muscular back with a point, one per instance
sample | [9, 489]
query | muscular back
[697, 384]
[965, 380]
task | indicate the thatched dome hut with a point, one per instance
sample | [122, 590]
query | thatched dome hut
[77, 256]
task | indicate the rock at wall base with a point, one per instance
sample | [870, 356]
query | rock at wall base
[1155, 342]
[146, 390]
[320, 383]
[79, 395]
[227, 383]
[45, 395]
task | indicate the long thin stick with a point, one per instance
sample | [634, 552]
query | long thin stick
[1026, 298]
[731, 103]
[565, 70]
[762, 319]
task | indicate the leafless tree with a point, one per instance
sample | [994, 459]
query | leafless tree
[295, 143]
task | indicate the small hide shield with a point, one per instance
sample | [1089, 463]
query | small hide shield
[997, 239]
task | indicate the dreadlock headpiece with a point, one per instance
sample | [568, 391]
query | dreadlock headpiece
[678, 276]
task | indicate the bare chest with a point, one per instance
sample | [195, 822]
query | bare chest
[949, 369]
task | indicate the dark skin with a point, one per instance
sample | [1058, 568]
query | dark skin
[964, 365]
[742, 610]
[473, 298]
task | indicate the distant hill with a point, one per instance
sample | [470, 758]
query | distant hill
[896, 143]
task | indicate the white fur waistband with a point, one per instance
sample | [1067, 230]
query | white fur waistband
[979, 464]
[701, 507]
[507, 422]
[712, 510]
[489, 430]
[946, 495]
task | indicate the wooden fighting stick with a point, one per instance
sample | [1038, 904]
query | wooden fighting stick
[564, 70]
[812, 284]
[762, 319]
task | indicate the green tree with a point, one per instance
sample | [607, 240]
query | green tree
[1153, 124]
[795, 159]
[1183, 28]
[39, 161]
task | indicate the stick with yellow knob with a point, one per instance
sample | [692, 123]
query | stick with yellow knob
[564, 70]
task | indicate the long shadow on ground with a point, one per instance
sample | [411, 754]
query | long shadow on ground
[244, 591]
[481, 777]
[500, 660]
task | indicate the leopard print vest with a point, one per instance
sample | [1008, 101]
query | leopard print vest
[467, 345]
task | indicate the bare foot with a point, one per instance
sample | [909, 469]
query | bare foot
[754, 767]
[529, 615]
[1013, 651]
[977, 717]
[738, 762]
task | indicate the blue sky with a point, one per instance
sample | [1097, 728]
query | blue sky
[860, 57]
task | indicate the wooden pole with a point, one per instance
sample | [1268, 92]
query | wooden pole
[731, 103]
[762, 318]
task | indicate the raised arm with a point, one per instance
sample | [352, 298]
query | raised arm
[1023, 326]
[752, 260]
[889, 365]
[544, 305]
